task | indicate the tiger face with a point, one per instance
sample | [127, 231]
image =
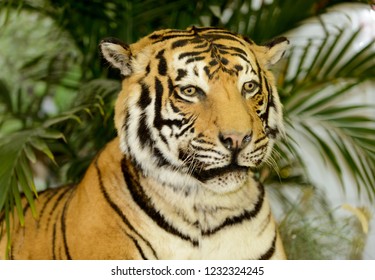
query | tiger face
[198, 107]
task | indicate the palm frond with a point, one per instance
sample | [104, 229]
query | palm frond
[318, 76]
[18, 151]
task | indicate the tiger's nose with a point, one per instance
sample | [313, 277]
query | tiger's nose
[235, 140]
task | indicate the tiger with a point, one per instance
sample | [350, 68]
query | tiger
[197, 114]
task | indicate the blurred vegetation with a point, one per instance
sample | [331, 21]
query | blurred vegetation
[57, 96]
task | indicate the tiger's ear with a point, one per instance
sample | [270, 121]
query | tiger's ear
[118, 54]
[275, 49]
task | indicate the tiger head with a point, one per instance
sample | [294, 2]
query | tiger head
[198, 107]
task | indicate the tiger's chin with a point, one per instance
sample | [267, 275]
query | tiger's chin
[225, 179]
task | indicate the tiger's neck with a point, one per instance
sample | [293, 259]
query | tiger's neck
[196, 209]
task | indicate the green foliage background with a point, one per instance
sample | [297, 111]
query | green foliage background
[57, 96]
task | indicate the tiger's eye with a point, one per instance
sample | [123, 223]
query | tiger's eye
[249, 88]
[189, 91]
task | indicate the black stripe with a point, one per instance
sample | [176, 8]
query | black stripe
[139, 248]
[272, 132]
[25, 208]
[259, 148]
[267, 255]
[213, 62]
[174, 107]
[195, 71]
[144, 133]
[201, 44]
[162, 161]
[227, 36]
[244, 58]
[259, 140]
[142, 200]
[54, 242]
[57, 201]
[181, 34]
[158, 123]
[193, 54]
[181, 73]
[170, 86]
[264, 116]
[231, 48]
[260, 76]
[51, 194]
[155, 36]
[173, 122]
[248, 68]
[238, 67]
[63, 227]
[186, 128]
[117, 209]
[148, 70]
[180, 43]
[158, 120]
[246, 215]
[145, 98]
[194, 59]
[11, 253]
[248, 40]
[162, 66]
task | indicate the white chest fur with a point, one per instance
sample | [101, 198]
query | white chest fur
[205, 225]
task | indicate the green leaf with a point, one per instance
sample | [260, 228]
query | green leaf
[328, 53]
[331, 97]
[15, 151]
[314, 67]
[332, 112]
[23, 181]
[10, 151]
[51, 134]
[60, 119]
[343, 48]
[5, 96]
[40, 145]
[25, 168]
[359, 58]
[30, 154]
[301, 65]
[327, 153]
[298, 99]
[17, 200]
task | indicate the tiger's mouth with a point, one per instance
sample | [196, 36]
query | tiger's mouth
[204, 174]
[207, 175]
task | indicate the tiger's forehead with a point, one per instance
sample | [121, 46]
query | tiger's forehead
[211, 50]
[181, 38]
